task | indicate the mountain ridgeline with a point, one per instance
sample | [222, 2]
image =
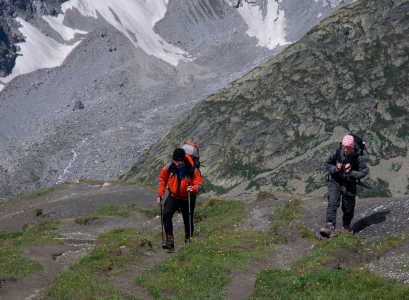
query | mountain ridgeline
[274, 128]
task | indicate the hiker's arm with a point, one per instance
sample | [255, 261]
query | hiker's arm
[331, 163]
[362, 169]
[197, 182]
[162, 181]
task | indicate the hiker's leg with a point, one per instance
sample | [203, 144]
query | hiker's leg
[170, 207]
[185, 213]
[334, 194]
[348, 204]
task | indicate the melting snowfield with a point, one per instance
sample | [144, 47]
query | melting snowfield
[269, 30]
[136, 20]
[39, 51]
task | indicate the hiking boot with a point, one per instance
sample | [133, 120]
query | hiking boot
[188, 240]
[170, 244]
[327, 230]
[347, 227]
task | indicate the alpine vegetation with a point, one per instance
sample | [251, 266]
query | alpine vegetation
[273, 128]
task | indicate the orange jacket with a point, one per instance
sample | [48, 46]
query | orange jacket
[178, 188]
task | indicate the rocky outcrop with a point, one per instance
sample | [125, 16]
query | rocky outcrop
[9, 34]
[272, 129]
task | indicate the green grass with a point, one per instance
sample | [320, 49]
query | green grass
[214, 254]
[309, 279]
[117, 211]
[325, 284]
[203, 269]
[390, 242]
[90, 278]
[85, 220]
[283, 216]
[29, 196]
[326, 246]
[14, 244]
[148, 212]
[113, 211]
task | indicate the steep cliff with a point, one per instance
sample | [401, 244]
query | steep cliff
[273, 128]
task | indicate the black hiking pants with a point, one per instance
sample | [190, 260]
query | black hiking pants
[171, 206]
[336, 191]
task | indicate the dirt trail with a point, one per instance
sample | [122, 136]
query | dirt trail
[375, 219]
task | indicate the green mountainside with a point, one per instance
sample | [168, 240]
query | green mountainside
[273, 128]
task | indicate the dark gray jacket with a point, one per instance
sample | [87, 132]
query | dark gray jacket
[359, 167]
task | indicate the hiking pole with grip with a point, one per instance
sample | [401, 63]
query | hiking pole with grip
[190, 215]
[161, 219]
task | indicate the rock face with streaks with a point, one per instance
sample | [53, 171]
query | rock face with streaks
[273, 128]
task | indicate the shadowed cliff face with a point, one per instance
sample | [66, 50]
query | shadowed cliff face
[273, 128]
[9, 34]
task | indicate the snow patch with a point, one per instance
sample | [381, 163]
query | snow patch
[135, 19]
[269, 30]
[319, 15]
[37, 52]
[66, 33]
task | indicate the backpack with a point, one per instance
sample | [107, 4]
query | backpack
[192, 150]
[359, 143]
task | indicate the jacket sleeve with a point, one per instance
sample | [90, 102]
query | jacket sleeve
[197, 182]
[331, 162]
[162, 181]
[362, 169]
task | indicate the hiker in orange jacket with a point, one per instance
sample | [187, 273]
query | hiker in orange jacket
[182, 178]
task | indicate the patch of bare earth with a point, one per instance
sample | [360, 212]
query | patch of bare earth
[259, 215]
[54, 258]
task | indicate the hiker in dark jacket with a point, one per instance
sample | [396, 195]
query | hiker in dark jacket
[346, 167]
[182, 178]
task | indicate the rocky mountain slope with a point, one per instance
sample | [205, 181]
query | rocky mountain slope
[273, 128]
[94, 85]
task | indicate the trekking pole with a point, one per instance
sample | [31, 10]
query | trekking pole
[161, 220]
[190, 216]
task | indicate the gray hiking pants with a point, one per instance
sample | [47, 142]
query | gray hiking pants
[336, 191]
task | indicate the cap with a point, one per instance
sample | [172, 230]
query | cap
[179, 154]
[348, 141]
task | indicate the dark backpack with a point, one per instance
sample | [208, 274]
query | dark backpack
[359, 143]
